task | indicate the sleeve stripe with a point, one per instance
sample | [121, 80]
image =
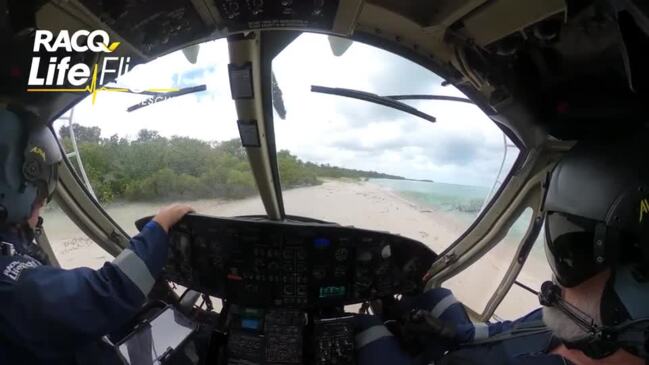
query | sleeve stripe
[481, 331]
[370, 335]
[443, 305]
[135, 269]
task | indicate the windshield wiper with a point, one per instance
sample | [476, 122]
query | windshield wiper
[430, 97]
[373, 98]
[278, 99]
[156, 96]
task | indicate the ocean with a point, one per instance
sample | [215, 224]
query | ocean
[464, 202]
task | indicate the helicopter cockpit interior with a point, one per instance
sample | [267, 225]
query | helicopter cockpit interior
[338, 153]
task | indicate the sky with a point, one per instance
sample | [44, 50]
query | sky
[462, 147]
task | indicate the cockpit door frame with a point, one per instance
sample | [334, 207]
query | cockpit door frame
[78, 204]
[523, 190]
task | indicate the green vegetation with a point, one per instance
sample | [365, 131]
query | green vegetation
[153, 167]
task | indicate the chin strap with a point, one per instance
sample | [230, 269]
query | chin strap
[600, 341]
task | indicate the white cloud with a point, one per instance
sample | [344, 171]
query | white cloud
[463, 146]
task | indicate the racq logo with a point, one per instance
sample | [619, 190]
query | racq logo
[59, 72]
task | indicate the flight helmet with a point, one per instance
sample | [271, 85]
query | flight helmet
[29, 159]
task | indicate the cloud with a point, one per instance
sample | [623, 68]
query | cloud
[463, 146]
[361, 68]
[455, 150]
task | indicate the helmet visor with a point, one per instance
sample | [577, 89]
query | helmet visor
[569, 246]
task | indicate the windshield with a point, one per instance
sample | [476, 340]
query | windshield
[364, 164]
[142, 151]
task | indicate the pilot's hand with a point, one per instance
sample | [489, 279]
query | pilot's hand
[171, 214]
[422, 323]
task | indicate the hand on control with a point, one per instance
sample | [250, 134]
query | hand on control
[422, 323]
[171, 214]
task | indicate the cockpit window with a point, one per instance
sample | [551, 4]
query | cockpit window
[361, 163]
[140, 151]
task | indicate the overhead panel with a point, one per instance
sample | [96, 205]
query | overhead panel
[72, 16]
[207, 11]
[172, 25]
[497, 20]
[243, 15]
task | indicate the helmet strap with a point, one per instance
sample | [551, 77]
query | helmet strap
[641, 270]
[599, 244]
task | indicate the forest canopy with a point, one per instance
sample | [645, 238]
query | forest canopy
[153, 167]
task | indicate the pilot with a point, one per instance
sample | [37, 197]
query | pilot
[595, 310]
[50, 315]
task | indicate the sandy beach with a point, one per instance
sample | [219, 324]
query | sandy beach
[359, 204]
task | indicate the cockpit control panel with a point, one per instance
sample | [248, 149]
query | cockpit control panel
[285, 284]
[267, 264]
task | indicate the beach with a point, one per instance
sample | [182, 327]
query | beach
[351, 203]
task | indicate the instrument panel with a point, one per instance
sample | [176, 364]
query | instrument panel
[303, 265]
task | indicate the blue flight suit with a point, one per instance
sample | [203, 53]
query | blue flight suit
[55, 316]
[504, 342]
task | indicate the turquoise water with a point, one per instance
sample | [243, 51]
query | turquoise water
[461, 201]
[464, 203]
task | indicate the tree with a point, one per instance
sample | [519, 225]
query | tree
[158, 168]
[146, 135]
[232, 147]
[82, 134]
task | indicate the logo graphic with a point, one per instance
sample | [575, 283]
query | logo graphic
[14, 269]
[60, 72]
[644, 209]
[39, 151]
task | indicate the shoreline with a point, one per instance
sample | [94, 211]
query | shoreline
[361, 204]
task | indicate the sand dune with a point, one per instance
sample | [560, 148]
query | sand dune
[359, 204]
